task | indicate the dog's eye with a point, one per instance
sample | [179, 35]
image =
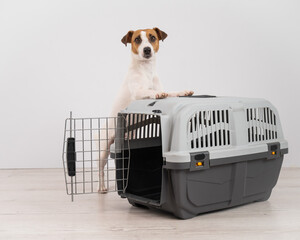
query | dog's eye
[152, 38]
[138, 40]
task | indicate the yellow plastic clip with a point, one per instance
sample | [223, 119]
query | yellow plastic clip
[199, 164]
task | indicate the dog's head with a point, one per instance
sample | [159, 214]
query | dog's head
[144, 43]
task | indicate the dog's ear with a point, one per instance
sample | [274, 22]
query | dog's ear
[127, 38]
[161, 34]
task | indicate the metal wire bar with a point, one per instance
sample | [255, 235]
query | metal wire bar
[99, 148]
[88, 129]
[75, 146]
[93, 140]
[83, 177]
[110, 180]
[72, 187]
[63, 157]
[96, 170]
[91, 136]
[107, 175]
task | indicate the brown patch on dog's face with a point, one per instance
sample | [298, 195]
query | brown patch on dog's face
[153, 39]
[135, 38]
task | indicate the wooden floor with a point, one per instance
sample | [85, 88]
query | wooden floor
[34, 205]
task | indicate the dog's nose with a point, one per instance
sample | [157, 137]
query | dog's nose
[147, 50]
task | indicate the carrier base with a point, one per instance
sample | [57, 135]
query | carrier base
[187, 194]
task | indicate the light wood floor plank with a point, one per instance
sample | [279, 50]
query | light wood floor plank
[34, 205]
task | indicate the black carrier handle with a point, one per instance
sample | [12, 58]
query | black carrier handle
[71, 157]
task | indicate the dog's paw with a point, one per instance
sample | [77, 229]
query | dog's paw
[161, 95]
[188, 93]
[102, 190]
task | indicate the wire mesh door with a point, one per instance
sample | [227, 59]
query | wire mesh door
[88, 165]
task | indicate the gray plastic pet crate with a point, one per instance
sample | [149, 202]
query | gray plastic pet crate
[192, 155]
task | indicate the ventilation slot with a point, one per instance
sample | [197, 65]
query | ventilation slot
[142, 126]
[209, 129]
[261, 124]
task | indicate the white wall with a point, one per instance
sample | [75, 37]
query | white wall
[57, 56]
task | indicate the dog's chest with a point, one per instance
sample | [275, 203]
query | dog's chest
[148, 72]
[142, 74]
[149, 79]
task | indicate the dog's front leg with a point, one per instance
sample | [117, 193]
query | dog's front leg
[158, 86]
[181, 94]
[148, 93]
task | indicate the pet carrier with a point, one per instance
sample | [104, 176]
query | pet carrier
[191, 155]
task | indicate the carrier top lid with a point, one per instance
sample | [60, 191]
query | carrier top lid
[224, 126]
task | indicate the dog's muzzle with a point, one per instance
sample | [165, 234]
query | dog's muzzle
[147, 52]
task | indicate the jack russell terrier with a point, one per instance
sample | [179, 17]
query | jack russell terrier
[141, 82]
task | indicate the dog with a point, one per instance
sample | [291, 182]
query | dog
[141, 82]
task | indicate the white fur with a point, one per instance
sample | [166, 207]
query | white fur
[141, 82]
